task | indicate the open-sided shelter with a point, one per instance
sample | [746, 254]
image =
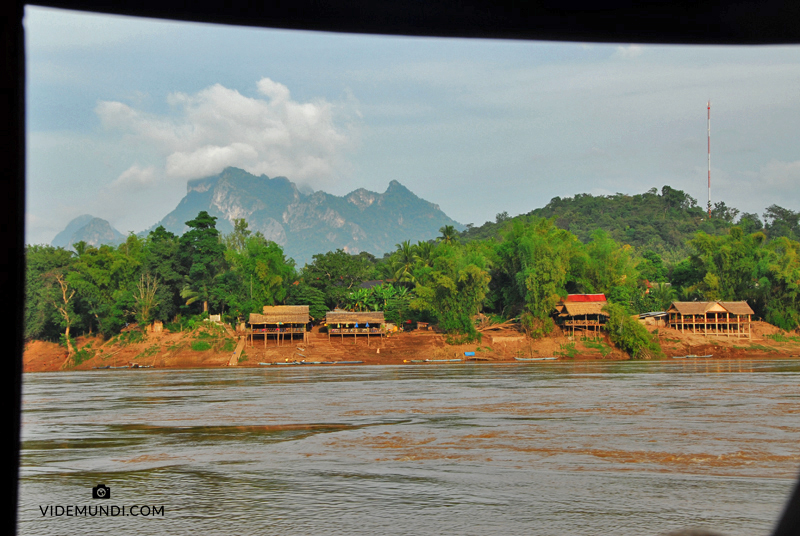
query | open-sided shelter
[716, 318]
[280, 322]
[582, 311]
[354, 323]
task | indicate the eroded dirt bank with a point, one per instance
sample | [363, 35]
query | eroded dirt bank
[182, 350]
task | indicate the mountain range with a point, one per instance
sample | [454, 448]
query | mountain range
[304, 224]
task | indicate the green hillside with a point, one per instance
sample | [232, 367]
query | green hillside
[660, 221]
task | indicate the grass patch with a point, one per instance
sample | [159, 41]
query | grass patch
[567, 350]
[229, 345]
[243, 357]
[149, 352]
[130, 337]
[782, 337]
[761, 347]
[602, 347]
[201, 346]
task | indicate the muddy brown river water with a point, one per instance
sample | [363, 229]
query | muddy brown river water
[623, 448]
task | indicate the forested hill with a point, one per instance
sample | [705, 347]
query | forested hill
[661, 221]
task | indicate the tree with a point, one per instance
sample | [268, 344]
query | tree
[336, 274]
[453, 292]
[63, 304]
[502, 217]
[449, 234]
[42, 321]
[404, 260]
[145, 297]
[663, 295]
[724, 212]
[202, 256]
[782, 222]
[300, 293]
[609, 269]
[163, 261]
[104, 278]
[237, 239]
[536, 262]
[260, 275]
[651, 267]
[629, 335]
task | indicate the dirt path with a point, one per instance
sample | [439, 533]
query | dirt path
[238, 352]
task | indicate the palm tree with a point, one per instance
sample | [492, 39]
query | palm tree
[383, 293]
[404, 262]
[449, 234]
[424, 254]
[664, 295]
[359, 299]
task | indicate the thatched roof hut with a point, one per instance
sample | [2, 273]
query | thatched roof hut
[281, 314]
[582, 304]
[579, 309]
[729, 319]
[355, 323]
[279, 321]
[701, 308]
[354, 317]
[582, 311]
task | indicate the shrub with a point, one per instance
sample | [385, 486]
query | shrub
[200, 346]
[629, 335]
[83, 354]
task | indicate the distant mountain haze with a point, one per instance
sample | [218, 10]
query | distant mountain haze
[304, 224]
[87, 228]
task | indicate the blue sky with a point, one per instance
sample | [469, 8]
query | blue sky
[121, 112]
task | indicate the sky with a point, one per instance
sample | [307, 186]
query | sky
[122, 111]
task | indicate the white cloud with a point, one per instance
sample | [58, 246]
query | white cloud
[219, 127]
[209, 160]
[135, 177]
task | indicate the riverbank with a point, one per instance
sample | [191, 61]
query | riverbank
[185, 350]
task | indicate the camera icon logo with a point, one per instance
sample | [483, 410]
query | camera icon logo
[101, 491]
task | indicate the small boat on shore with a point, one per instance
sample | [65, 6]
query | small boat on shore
[311, 363]
[691, 356]
[442, 360]
[134, 366]
[535, 358]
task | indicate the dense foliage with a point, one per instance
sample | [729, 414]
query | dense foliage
[629, 335]
[659, 221]
[516, 268]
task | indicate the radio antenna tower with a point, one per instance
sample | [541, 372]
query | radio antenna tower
[709, 158]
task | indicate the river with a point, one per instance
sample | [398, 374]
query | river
[622, 448]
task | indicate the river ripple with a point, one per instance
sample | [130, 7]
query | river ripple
[572, 448]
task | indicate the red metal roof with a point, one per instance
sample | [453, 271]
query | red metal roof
[586, 298]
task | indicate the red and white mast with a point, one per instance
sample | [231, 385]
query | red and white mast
[709, 158]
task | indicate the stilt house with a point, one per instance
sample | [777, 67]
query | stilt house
[279, 322]
[714, 318]
[582, 312]
[354, 323]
